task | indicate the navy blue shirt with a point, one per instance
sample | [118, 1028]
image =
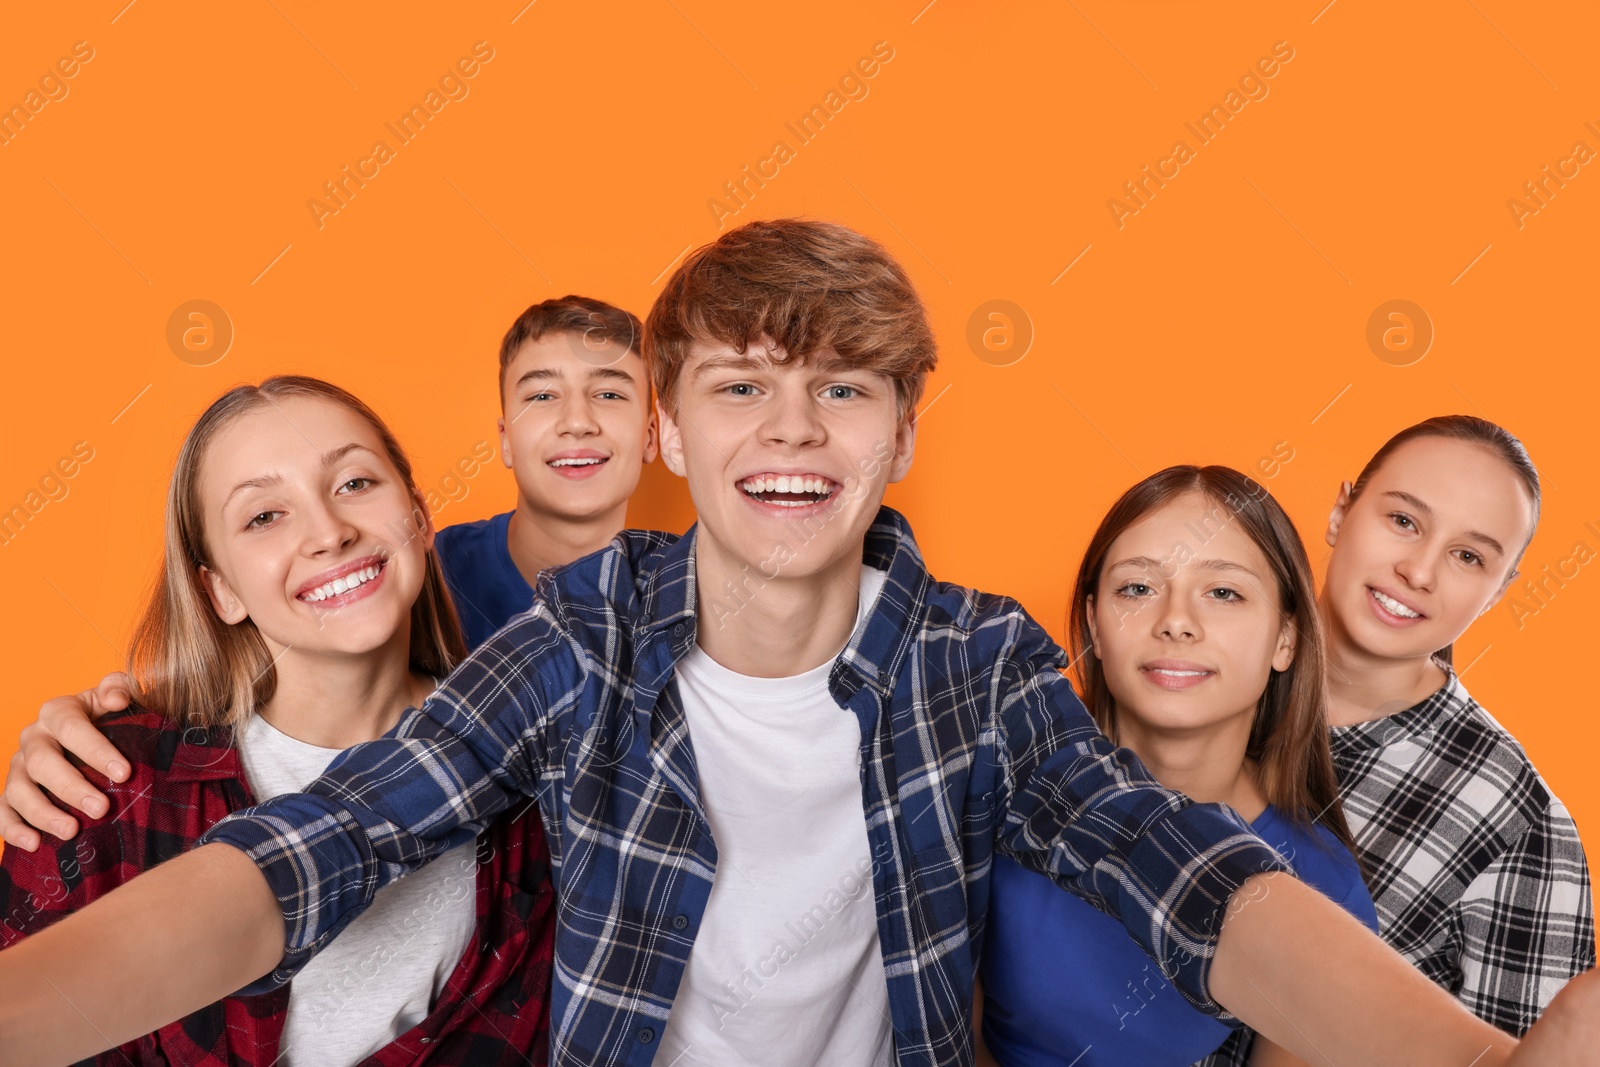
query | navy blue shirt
[1065, 984]
[484, 582]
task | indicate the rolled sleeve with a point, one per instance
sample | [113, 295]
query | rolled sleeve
[1092, 817]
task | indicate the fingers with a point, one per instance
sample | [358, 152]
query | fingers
[14, 831]
[28, 808]
[114, 693]
[64, 723]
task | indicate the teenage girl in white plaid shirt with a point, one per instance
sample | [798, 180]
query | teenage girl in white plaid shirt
[1475, 865]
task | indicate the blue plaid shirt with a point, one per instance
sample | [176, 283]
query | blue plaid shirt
[972, 741]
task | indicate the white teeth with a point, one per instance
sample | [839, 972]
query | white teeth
[1179, 674]
[575, 462]
[787, 484]
[1394, 607]
[343, 584]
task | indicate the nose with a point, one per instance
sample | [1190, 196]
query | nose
[1417, 567]
[1174, 616]
[577, 417]
[790, 418]
[326, 530]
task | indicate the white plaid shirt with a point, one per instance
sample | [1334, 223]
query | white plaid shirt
[1474, 864]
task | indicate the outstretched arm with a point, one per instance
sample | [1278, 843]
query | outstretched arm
[1210, 903]
[171, 941]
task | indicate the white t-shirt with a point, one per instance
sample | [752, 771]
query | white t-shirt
[381, 975]
[786, 968]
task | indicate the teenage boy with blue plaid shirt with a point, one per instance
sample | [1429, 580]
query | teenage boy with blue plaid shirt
[743, 879]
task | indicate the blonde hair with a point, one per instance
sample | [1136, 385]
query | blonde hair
[199, 671]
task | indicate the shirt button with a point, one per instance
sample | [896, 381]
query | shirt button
[646, 1036]
[644, 620]
[677, 630]
[425, 1040]
[680, 922]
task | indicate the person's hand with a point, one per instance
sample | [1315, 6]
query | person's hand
[1568, 1033]
[40, 764]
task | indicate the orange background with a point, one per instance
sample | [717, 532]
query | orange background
[1228, 315]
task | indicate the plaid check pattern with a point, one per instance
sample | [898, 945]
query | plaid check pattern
[493, 1011]
[1475, 866]
[972, 740]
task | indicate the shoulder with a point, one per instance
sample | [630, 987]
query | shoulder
[990, 625]
[466, 537]
[583, 607]
[1491, 773]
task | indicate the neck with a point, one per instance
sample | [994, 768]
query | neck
[1363, 686]
[538, 539]
[778, 627]
[1208, 766]
[335, 701]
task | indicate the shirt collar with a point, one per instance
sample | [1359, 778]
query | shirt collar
[203, 754]
[1413, 725]
[666, 583]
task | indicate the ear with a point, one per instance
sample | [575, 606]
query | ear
[1288, 642]
[422, 515]
[505, 440]
[652, 437]
[1341, 507]
[223, 600]
[671, 442]
[905, 445]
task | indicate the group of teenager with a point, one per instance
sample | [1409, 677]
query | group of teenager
[768, 792]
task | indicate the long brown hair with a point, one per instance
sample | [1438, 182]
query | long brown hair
[200, 671]
[1289, 735]
[1475, 431]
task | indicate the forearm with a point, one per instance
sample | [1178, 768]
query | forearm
[1305, 974]
[173, 940]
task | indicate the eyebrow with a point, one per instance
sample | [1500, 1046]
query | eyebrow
[267, 481]
[548, 374]
[1471, 535]
[1146, 563]
[738, 361]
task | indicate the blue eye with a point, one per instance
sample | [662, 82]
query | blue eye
[741, 385]
[1233, 594]
[848, 391]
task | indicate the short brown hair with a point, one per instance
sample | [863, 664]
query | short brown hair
[806, 284]
[1289, 735]
[197, 670]
[593, 319]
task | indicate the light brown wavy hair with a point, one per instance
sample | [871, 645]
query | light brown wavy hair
[806, 284]
[197, 670]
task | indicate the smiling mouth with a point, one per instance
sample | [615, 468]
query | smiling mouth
[344, 583]
[791, 491]
[1393, 606]
[586, 462]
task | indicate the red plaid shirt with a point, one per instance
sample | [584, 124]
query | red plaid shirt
[494, 1010]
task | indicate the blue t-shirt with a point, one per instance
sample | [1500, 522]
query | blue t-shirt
[1065, 984]
[484, 582]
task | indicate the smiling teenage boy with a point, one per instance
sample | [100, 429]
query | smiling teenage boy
[772, 829]
[576, 430]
